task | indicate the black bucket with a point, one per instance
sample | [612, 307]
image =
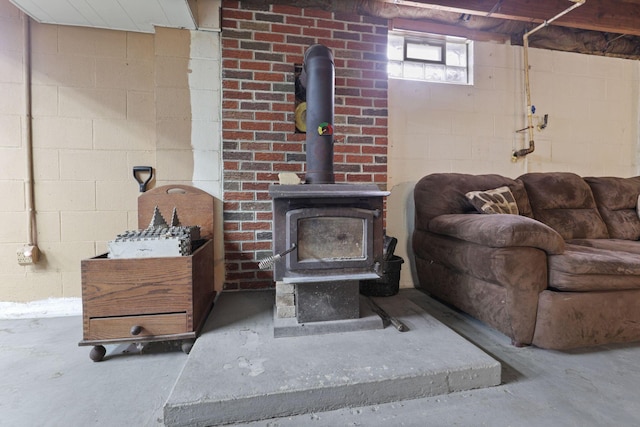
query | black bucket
[388, 284]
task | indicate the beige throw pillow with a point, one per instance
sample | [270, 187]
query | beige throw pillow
[497, 201]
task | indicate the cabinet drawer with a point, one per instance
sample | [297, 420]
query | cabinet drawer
[103, 328]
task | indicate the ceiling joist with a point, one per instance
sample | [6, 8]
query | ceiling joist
[429, 26]
[621, 17]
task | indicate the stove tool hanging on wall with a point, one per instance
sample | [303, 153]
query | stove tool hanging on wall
[142, 170]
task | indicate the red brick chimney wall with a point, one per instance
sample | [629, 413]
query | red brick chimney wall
[260, 49]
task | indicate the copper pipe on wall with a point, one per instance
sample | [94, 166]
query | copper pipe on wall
[527, 88]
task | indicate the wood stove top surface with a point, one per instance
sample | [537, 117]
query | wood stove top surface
[325, 190]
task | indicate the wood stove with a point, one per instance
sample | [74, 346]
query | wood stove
[327, 236]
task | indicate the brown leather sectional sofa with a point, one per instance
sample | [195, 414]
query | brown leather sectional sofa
[562, 273]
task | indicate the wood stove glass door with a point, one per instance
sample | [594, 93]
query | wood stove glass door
[330, 238]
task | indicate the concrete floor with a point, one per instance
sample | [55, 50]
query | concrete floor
[47, 380]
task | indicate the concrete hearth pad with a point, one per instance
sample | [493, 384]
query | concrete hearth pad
[238, 372]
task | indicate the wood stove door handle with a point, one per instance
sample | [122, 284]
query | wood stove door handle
[136, 329]
[269, 261]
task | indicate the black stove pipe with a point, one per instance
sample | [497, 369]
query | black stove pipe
[317, 76]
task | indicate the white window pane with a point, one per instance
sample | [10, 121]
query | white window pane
[432, 58]
[394, 69]
[424, 51]
[457, 54]
[413, 70]
[434, 73]
[456, 75]
[395, 48]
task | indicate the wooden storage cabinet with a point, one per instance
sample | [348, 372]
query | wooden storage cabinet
[147, 299]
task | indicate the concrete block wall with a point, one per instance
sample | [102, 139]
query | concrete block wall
[260, 49]
[103, 102]
[592, 103]
[593, 127]
[70, 97]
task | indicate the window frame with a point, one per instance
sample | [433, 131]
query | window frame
[433, 39]
[442, 44]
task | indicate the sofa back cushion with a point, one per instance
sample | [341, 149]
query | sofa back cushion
[617, 200]
[444, 193]
[564, 202]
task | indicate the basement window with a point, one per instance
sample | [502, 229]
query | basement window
[430, 57]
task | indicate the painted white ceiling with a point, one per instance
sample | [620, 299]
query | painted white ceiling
[128, 15]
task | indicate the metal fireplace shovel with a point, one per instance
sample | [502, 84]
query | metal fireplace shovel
[386, 318]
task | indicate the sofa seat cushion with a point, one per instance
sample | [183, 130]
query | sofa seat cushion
[617, 245]
[501, 266]
[583, 268]
[564, 202]
[617, 200]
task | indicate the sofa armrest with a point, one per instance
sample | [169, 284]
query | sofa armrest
[499, 231]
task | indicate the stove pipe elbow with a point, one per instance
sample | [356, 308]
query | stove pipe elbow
[318, 78]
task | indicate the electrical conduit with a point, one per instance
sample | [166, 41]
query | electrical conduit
[30, 251]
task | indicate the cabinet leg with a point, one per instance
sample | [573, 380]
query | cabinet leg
[97, 353]
[187, 345]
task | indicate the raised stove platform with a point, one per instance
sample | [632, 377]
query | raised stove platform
[238, 372]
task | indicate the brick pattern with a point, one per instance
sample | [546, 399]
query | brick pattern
[260, 49]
